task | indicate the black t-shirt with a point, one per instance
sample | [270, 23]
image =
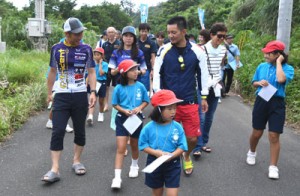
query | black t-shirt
[148, 47]
[109, 48]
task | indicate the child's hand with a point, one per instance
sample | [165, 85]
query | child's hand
[158, 153]
[136, 110]
[128, 112]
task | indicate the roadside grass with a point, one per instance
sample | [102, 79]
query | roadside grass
[24, 72]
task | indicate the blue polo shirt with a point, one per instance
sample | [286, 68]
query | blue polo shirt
[235, 50]
[165, 137]
[267, 71]
[148, 47]
[130, 96]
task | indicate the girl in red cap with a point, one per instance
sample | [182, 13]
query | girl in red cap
[162, 136]
[101, 71]
[274, 73]
[129, 98]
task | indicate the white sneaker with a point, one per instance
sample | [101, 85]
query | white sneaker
[134, 172]
[116, 183]
[89, 120]
[100, 117]
[219, 101]
[251, 158]
[49, 124]
[273, 172]
[69, 129]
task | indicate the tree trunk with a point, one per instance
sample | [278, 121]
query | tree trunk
[284, 22]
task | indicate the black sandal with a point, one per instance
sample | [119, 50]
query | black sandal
[197, 154]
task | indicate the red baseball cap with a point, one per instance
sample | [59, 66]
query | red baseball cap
[273, 45]
[125, 65]
[98, 49]
[164, 98]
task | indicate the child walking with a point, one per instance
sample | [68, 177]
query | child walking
[162, 136]
[101, 71]
[129, 98]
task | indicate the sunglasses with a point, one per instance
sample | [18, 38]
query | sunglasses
[181, 61]
[220, 36]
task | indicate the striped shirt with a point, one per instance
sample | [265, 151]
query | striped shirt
[214, 60]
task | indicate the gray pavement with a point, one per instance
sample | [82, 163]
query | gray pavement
[25, 157]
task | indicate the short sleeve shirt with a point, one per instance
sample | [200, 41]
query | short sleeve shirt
[267, 71]
[167, 137]
[71, 64]
[118, 56]
[130, 96]
[148, 47]
[109, 48]
[104, 68]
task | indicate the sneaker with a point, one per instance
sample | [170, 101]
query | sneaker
[69, 129]
[134, 172]
[89, 120]
[49, 124]
[273, 172]
[251, 158]
[219, 101]
[116, 183]
[100, 117]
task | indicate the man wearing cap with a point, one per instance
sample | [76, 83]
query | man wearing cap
[276, 73]
[70, 59]
[109, 46]
[179, 66]
[233, 54]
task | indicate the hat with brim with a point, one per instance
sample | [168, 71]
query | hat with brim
[273, 46]
[73, 25]
[164, 98]
[99, 49]
[126, 65]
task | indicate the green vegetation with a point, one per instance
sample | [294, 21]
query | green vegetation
[22, 89]
[253, 22]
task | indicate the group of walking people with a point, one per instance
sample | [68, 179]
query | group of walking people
[186, 86]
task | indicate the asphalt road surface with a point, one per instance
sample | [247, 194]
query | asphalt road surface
[25, 158]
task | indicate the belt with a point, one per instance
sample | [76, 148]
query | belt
[187, 102]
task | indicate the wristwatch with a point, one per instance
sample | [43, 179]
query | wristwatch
[93, 91]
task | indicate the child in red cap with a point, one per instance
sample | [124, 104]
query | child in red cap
[129, 98]
[277, 73]
[162, 136]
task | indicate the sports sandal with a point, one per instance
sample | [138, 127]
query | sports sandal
[206, 149]
[51, 177]
[187, 165]
[197, 154]
[79, 169]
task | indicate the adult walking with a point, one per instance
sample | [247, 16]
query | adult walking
[216, 53]
[70, 59]
[109, 46]
[176, 66]
[233, 56]
[275, 72]
[149, 49]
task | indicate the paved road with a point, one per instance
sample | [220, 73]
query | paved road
[25, 158]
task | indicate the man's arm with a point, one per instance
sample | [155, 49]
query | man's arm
[50, 82]
[92, 82]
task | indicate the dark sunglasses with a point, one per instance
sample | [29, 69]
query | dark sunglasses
[181, 61]
[220, 36]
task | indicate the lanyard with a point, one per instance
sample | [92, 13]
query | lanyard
[159, 147]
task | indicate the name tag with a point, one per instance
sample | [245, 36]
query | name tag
[147, 46]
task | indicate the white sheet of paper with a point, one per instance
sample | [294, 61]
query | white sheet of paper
[98, 85]
[217, 90]
[233, 64]
[132, 123]
[155, 164]
[267, 92]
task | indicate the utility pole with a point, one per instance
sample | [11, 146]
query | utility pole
[284, 22]
[39, 28]
[2, 44]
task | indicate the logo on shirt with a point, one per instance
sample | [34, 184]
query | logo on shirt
[175, 136]
[138, 94]
[147, 46]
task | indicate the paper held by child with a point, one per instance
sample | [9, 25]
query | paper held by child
[98, 86]
[233, 64]
[267, 92]
[155, 164]
[132, 123]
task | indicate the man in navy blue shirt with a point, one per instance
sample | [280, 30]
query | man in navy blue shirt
[149, 49]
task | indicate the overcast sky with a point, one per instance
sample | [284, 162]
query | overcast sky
[21, 3]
